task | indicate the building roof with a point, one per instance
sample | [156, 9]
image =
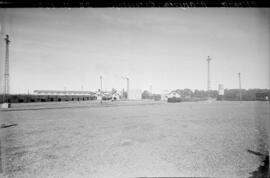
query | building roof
[175, 91]
[116, 94]
[63, 91]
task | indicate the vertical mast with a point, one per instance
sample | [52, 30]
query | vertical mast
[100, 77]
[127, 87]
[240, 89]
[208, 75]
[6, 71]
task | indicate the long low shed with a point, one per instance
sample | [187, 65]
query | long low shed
[17, 98]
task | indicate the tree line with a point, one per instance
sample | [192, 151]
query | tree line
[229, 94]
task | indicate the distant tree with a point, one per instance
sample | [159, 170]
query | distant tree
[187, 92]
[229, 94]
[146, 95]
[247, 95]
[156, 97]
[125, 94]
[200, 93]
[213, 93]
[197, 93]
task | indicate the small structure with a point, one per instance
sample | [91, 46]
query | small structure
[220, 95]
[135, 94]
[116, 96]
[174, 97]
[106, 95]
[5, 105]
[164, 95]
[174, 94]
[98, 94]
[220, 89]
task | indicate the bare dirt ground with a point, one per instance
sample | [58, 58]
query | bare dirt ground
[133, 139]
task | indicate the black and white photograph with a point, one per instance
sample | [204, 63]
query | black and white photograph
[134, 92]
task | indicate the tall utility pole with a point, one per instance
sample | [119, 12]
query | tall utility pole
[240, 92]
[6, 73]
[208, 75]
[127, 88]
[100, 83]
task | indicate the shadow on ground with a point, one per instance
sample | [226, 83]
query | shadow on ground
[7, 125]
[80, 106]
[263, 169]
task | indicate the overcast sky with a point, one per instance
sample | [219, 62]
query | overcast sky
[165, 48]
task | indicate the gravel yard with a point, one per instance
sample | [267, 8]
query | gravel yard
[133, 139]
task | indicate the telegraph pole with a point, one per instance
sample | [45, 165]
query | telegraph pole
[6, 74]
[208, 76]
[100, 77]
[100, 83]
[127, 87]
[240, 92]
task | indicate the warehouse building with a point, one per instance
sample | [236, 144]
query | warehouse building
[62, 92]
